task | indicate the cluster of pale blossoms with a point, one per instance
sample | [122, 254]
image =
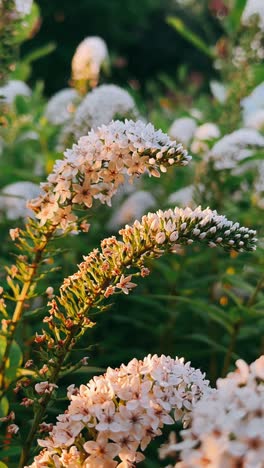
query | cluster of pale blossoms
[227, 425]
[119, 413]
[96, 166]
[61, 106]
[99, 107]
[88, 59]
[186, 130]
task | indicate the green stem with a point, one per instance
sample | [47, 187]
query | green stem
[231, 348]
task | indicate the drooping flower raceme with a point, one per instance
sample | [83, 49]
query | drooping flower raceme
[112, 270]
[97, 165]
[61, 106]
[100, 106]
[227, 425]
[90, 54]
[115, 416]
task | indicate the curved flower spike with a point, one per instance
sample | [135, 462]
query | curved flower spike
[97, 166]
[103, 273]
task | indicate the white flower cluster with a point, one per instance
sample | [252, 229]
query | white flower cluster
[23, 7]
[119, 413]
[61, 106]
[88, 59]
[99, 107]
[227, 425]
[235, 147]
[97, 165]
[189, 133]
[254, 8]
[12, 89]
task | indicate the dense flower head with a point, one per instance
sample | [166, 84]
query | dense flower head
[89, 56]
[227, 425]
[61, 106]
[100, 106]
[96, 166]
[119, 413]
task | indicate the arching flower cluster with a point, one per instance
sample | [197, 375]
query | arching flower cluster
[101, 106]
[88, 59]
[111, 270]
[97, 165]
[227, 425]
[113, 418]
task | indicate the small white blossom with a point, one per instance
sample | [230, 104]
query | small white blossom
[61, 106]
[183, 129]
[207, 131]
[218, 90]
[14, 197]
[23, 7]
[12, 89]
[88, 59]
[132, 208]
[99, 107]
[254, 8]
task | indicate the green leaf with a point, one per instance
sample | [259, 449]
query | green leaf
[3, 465]
[233, 20]
[190, 36]
[15, 358]
[4, 407]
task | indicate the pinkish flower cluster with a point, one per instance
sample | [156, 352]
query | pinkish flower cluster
[96, 166]
[227, 425]
[113, 418]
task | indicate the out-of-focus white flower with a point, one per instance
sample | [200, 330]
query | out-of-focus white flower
[131, 209]
[23, 7]
[87, 61]
[13, 199]
[61, 106]
[207, 131]
[253, 8]
[12, 89]
[183, 197]
[235, 147]
[102, 105]
[183, 129]
[255, 120]
[254, 102]
[218, 90]
[227, 424]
